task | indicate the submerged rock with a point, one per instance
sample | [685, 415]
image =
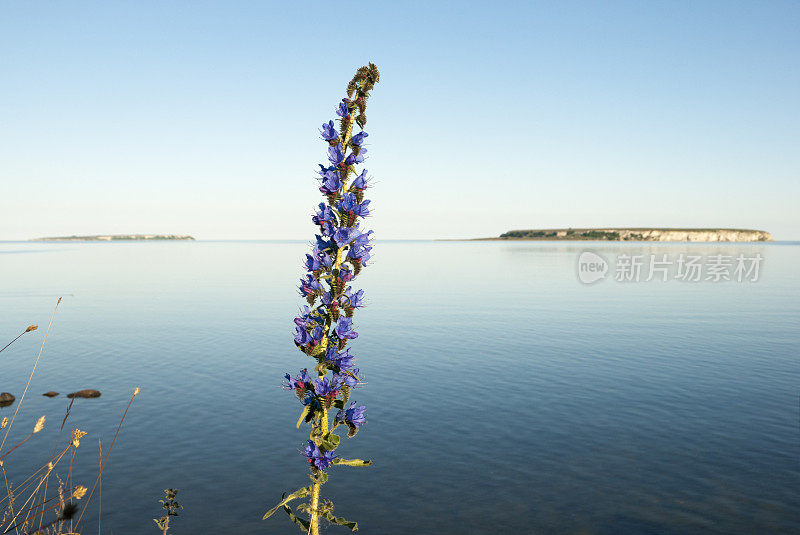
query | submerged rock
[50, 394]
[87, 393]
[6, 399]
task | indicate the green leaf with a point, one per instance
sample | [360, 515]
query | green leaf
[303, 415]
[339, 521]
[330, 441]
[352, 462]
[320, 477]
[339, 404]
[299, 493]
[305, 525]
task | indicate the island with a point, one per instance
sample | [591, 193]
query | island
[119, 237]
[638, 234]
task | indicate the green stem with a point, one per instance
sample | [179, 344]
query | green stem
[314, 520]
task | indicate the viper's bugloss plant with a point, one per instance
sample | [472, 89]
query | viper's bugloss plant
[324, 327]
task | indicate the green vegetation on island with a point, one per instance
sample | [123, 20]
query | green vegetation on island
[638, 234]
[120, 237]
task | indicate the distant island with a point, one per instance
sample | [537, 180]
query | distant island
[119, 237]
[638, 234]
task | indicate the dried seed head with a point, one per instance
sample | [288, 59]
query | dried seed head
[76, 437]
[79, 492]
[39, 425]
[31, 328]
[136, 391]
[4, 422]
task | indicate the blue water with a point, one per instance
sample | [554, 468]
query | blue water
[503, 395]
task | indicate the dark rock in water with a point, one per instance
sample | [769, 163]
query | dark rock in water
[50, 394]
[6, 399]
[88, 393]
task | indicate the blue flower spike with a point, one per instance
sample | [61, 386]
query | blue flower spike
[324, 328]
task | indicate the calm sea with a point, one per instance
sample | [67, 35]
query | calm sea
[504, 395]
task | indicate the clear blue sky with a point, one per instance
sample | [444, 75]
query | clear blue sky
[202, 117]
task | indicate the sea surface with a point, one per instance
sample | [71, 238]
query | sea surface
[503, 395]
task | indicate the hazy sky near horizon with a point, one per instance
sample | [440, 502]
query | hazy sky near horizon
[202, 117]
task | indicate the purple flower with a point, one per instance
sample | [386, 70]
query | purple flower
[358, 139]
[360, 183]
[336, 154]
[344, 275]
[353, 417]
[299, 382]
[359, 253]
[325, 388]
[344, 329]
[312, 321]
[317, 334]
[323, 169]
[309, 286]
[350, 205]
[353, 159]
[323, 258]
[354, 300]
[302, 337]
[342, 110]
[317, 260]
[344, 360]
[328, 132]
[325, 217]
[305, 319]
[324, 213]
[331, 182]
[312, 263]
[316, 457]
[322, 245]
[347, 379]
[363, 238]
[345, 235]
